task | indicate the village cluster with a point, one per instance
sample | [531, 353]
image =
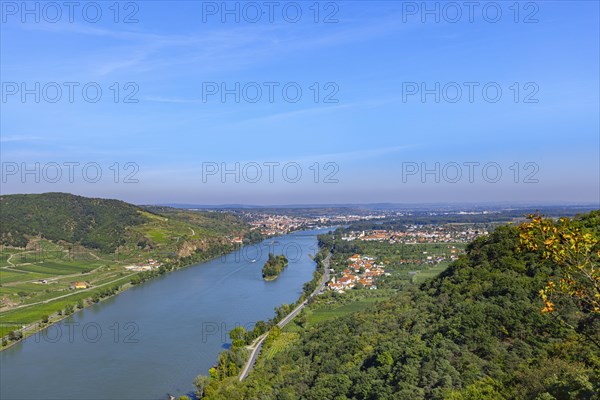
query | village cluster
[413, 234]
[361, 270]
[273, 224]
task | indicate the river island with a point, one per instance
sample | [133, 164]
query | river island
[274, 266]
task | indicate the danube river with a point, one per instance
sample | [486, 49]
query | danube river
[155, 338]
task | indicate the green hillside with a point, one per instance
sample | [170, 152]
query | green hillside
[48, 241]
[478, 331]
[210, 222]
[108, 225]
[94, 223]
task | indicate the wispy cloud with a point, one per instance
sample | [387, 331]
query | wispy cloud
[354, 155]
[19, 138]
[298, 113]
[174, 100]
[215, 49]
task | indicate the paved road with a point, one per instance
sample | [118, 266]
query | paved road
[258, 343]
[257, 347]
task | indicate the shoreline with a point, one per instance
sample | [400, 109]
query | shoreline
[32, 329]
[255, 347]
[216, 273]
[50, 323]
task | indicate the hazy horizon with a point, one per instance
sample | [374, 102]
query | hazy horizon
[374, 205]
[183, 102]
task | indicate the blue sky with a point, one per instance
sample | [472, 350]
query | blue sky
[366, 58]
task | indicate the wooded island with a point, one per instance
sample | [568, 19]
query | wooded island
[274, 266]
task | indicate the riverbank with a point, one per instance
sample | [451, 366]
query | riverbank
[118, 286]
[181, 326]
[256, 347]
[249, 351]
[55, 318]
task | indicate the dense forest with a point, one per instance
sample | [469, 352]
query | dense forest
[94, 223]
[516, 317]
[274, 266]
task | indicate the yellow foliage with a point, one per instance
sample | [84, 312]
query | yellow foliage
[572, 249]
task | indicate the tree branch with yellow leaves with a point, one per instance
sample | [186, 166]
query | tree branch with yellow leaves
[577, 254]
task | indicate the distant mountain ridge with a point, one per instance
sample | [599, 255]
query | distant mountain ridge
[390, 206]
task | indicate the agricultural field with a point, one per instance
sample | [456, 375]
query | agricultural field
[279, 343]
[50, 241]
[330, 305]
[324, 313]
[36, 281]
[424, 274]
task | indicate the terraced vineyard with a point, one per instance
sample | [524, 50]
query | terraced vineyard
[31, 278]
[279, 343]
[36, 279]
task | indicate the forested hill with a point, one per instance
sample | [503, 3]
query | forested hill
[96, 223]
[478, 331]
[108, 225]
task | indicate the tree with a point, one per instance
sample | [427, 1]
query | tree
[301, 319]
[213, 374]
[473, 332]
[201, 383]
[483, 389]
[259, 328]
[238, 336]
[274, 266]
[576, 252]
[69, 309]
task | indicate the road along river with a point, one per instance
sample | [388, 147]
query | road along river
[156, 337]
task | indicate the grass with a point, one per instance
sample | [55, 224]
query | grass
[5, 254]
[152, 217]
[16, 318]
[329, 306]
[324, 314]
[157, 235]
[280, 343]
[59, 265]
[432, 272]
[166, 232]
[51, 268]
[23, 297]
[8, 276]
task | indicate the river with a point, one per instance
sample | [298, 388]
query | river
[154, 338]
